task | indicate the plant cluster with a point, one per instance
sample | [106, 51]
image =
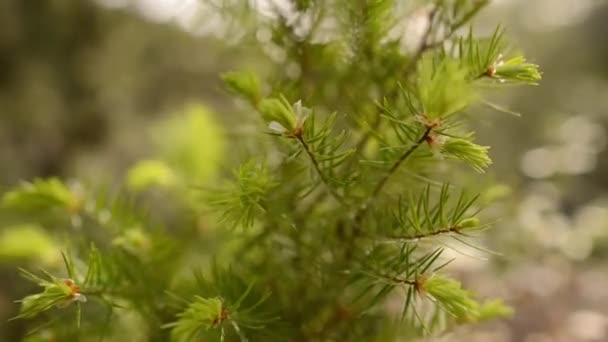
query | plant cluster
[341, 212]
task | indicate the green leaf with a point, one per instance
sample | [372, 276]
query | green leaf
[148, 173]
[190, 143]
[27, 242]
[41, 194]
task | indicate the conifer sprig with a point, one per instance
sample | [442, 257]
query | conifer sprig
[60, 293]
[320, 145]
[241, 203]
[378, 188]
[423, 217]
[317, 167]
[231, 309]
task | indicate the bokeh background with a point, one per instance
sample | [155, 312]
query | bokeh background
[88, 88]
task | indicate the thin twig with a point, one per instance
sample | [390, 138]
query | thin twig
[378, 188]
[317, 167]
[424, 43]
[423, 235]
[452, 30]
[400, 280]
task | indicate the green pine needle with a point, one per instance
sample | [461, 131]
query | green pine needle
[241, 203]
[474, 155]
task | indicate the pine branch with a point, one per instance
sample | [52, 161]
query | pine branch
[243, 202]
[427, 234]
[317, 167]
[425, 45]
[454, 27]
[399, 280]
[378, 188]
[407, 70]
[380, 185]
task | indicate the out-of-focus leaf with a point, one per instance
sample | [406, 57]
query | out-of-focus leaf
[191, 144]
[27, 242]
[41, 194]
[244, 83]
[150, 173]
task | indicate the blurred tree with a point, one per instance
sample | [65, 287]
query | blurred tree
[41, 57]
[77, 77]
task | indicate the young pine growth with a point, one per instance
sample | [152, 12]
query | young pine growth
[343, 212]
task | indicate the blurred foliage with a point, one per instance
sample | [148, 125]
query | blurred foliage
[190, 141]
[189, 148]
[29, 242]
